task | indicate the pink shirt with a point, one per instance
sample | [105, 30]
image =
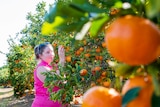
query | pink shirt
[41, 92]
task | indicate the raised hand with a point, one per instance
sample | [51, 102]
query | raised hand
[61, 54]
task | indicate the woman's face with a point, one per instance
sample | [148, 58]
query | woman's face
[48, 54]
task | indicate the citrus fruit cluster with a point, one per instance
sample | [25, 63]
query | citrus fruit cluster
[135, 41]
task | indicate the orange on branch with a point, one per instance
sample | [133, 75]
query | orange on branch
[144, 97]
[78, 52]
[104, 73]
[81, 48]
[103, 44]
[97, 68]
[87, 55]
[106, 84]
[93, 84]
[98, 50]
[133, 40]
[101, 97]
[68, 58]
[83, 72]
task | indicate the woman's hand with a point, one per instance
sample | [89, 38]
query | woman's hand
[61, 54]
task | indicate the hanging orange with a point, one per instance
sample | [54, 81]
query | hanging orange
[133, 40]
[145, 95]
[99, 96]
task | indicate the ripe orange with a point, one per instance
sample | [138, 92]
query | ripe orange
[104, 73]
[87, 55]
[81, 48]
[103, 44]
[100, 58]
[78, 52]
[54, 45]
[68, 58]
[98, 50]
[97, 68]
[83, 72]
[93, 84]
[106, 84]
[133, 40]
[99, 96]
[145, 94]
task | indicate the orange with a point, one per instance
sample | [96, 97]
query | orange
[68, 58]
[98, 50]
[87, 55]
[103, 44]
[99, 96]
[100, 58]
[54, 44]
[145, 94]
[104, 73]
[93, 84]
[81, 48]
[97, 68]
[133, 40]
[83, 72]
[106, 84]
[78, 52]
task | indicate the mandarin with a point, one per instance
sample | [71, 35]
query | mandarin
[83, 72]
[99, 96]
[144, 97]
[68, 58]
[133, 40]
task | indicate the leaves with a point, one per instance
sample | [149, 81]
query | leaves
[124, 70]
[130, 95]
[152, 8]
[48, 28]
[97, 25]
[153, 71]
[155, 100]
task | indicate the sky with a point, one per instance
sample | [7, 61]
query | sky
[13, 20]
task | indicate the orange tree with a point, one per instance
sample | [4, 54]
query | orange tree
[126, 39]
[20, 62]
[20, 59]
[85, 67]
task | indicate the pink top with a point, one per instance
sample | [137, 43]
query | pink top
[41, 93]
[39, 85]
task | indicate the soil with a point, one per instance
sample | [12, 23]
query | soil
[8, 100]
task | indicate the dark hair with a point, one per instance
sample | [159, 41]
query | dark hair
[40, 48]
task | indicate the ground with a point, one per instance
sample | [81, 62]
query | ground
[8, 100]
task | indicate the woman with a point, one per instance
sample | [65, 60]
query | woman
[45, 54]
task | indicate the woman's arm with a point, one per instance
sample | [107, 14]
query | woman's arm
[40, 70]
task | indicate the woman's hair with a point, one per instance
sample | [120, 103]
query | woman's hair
[38, 50]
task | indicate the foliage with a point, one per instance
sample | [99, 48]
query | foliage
[89, 54]
[21, 61]
[4, 78]
[20, 64]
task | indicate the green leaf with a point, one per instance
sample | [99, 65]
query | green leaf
[97, 25]
[153, 71]
[130, 95]
[48, 28]
[152, 8]
[64, 10]
[123, 70]
[76, 26]
[87, 7]
[79, 1]
[155, 100]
